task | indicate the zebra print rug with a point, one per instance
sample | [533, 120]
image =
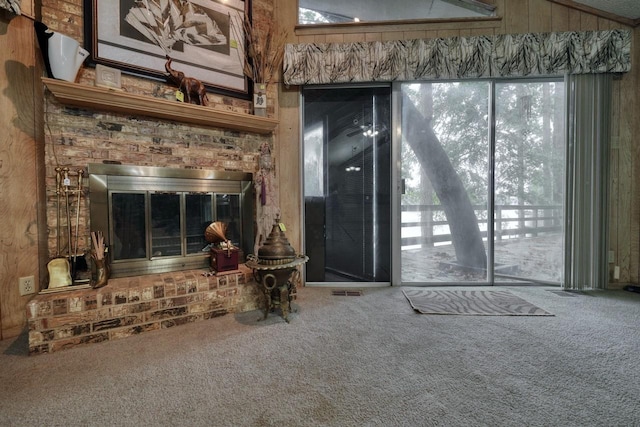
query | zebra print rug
[471, 302]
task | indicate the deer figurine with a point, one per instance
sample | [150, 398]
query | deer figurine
[191, 87]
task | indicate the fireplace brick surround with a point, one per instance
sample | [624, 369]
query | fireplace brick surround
[129, 306]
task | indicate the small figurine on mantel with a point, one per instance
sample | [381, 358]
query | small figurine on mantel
[192, 88]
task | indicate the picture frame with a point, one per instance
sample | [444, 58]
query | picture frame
[136, 40]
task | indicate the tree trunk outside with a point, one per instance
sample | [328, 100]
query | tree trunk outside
[465, 233]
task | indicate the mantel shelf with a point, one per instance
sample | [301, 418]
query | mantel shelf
[121, 102]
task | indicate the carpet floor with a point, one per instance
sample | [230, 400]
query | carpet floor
[348, 360]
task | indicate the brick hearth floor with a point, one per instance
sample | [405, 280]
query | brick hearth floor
[132, 305]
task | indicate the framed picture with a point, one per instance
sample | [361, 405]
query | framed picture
[204, 38]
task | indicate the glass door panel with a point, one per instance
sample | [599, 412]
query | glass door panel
[129, 230]
[529, 181]
[228, 211]
[445, 155]
[166, 238]
[347, 184]
[198, 210]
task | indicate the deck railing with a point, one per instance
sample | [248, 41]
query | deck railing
[511, 221]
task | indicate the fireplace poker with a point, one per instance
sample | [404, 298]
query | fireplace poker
[67, 183]
[75, 250]
[58, 189]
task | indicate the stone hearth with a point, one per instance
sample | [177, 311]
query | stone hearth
[132, 305]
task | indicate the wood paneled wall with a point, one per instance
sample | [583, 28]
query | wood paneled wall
[20, 152]
[518, 16]
[22, 233]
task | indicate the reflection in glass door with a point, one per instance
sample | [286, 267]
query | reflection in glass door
[347, 184]
[474, 151]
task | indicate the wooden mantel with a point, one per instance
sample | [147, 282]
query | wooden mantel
[121, 102]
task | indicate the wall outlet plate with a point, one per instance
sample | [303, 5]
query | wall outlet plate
[27, 285]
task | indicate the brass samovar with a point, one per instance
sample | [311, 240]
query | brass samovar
[274, 269]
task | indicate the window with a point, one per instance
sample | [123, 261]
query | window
[312, 12]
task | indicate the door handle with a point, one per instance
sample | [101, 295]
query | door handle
[403, 186]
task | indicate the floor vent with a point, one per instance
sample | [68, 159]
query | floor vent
[346, 293]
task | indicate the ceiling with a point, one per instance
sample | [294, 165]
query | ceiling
[625, 8]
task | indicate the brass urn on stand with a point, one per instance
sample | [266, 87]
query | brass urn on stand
[274, 269]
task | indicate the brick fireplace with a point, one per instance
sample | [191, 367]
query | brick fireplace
[132, 305]
[78, 136]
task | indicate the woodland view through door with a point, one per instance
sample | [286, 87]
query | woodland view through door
[475, 150]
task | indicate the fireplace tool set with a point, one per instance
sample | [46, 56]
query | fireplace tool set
[63, 269]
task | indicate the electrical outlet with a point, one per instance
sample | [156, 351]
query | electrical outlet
[27, 285]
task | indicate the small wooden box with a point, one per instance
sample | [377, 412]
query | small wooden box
[223, 259]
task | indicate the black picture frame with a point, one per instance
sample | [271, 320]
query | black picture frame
[215, 56]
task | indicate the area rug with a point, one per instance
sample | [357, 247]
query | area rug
[471, 302]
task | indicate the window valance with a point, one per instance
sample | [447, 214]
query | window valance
[505, 55]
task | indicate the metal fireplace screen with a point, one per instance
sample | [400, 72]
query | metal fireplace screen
[155, 218]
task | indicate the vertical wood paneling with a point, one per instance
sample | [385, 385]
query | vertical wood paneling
[482, 31]
[431, 34]
[634, 231]
[334, 38]
[588, 22]
[411, 35]
[501, 11]
[517, 18]
[559, 18]
[288, 143]
[539, 16]
[394, 35]
[574, 20]
[19, 232]
[604, 24]
[373, 37]
[305, 39]
[448, 33]
[625, 174]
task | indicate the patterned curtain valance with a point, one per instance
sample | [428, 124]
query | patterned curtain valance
[12, 6]
[506, 55]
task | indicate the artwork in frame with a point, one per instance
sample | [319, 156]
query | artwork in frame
[204, 38]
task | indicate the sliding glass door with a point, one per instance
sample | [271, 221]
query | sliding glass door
[478, 173]
[529, 181]
[445, 171]
[482, 173]
[347, 166]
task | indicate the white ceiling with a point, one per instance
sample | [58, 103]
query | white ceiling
[625, 8]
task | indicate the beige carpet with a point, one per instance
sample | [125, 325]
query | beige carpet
[471, 302]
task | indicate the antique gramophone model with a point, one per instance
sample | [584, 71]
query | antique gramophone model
[274, 269]
[224, 256]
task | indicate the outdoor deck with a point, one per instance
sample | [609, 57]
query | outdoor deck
[539, 258]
